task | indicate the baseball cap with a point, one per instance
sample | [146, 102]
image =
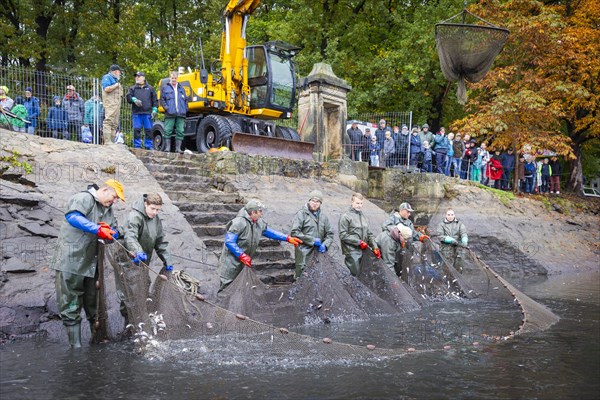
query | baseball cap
[254, 205]
[115, 67]
[70, 87]
[425, 126]
[140, 73]
[117, 186]
[406, 206]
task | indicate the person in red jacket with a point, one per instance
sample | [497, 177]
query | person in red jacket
[494, 169]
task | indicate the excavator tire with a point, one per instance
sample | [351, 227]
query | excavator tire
[282, 132]
[235, 127]
[293, 134]
[213, 131]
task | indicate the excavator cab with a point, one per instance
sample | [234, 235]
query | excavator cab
[271, 77]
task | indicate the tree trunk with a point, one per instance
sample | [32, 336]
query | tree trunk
[576, 173]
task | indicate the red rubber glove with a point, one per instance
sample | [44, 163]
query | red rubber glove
[104, 232]
[377, 253]
[363, 245]
[294, 240]
[246, 260]
[423, 237]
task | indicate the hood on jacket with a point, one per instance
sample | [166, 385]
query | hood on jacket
[139, 206]
[56, 98]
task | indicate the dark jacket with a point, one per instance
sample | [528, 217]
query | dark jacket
[146, 94]
[355, 136]
[459, 148]
[508, 161]
[32, 105]
[57, 117]
[75, 107]
[415, 144]
[556, 167]
[380, 135]
[401, 142]
[441, 144]
[167, 101]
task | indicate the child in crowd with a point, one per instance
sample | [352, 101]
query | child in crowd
[529, 170]
[374, 151]
[427, 157]
[20, 111]
[58, 120]
[546, 171]
[477, 162]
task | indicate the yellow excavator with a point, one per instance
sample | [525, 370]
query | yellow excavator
[249, 87]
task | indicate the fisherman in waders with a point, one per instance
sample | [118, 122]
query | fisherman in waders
[355, 235]
[89, 217]
[390, 239]
[143, 235]
[241, 241]
[312, 226]
[453, 236]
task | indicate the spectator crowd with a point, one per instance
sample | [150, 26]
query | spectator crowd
[453, 155]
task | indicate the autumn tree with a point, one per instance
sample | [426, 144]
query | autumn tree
[543, 90]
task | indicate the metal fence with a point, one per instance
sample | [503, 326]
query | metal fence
[46, 85]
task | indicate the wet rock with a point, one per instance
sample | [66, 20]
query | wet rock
[37, 229]
[15, 265]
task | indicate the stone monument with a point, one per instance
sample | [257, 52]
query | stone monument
[322, 112]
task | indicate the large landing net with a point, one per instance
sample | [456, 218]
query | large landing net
[467, 47]
[254, 322]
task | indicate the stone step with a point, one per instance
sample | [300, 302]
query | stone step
[209, 230]
[273, 266]
[182, 196]
[188, 169]
[153, 158]
[268, 254]
[209, 207]
[276, 277]
[209, 218]
[185, 185]
[165, 177]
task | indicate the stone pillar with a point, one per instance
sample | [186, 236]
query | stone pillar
[322, 112]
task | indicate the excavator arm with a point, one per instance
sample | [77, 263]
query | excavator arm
[233, 54]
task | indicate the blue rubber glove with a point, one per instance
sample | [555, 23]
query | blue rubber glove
[139, 256]
[116, 234]
[154, 110]
[231, 244]
[169, 268]
[322, 248]
[79, 221]
[318, 242]
[272, 234]
[464, 241]
[133, 99]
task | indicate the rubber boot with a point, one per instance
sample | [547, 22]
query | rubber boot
[74, 334]
[178, 148]
[149, 144]
[137, 143]
[166, 144]
[170, 143]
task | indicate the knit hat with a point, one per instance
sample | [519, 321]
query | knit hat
[5, 89]
[317, 195]
[425, 126]
[29, 89]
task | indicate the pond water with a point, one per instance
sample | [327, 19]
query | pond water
[560, 363]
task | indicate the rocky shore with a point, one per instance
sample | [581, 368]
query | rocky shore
[520, 237]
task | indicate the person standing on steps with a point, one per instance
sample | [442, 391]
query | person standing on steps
[242, 235]
[144, 106]
[112, 93]
[311, 226]
[89, 217]
[355, 235]
[174, 101]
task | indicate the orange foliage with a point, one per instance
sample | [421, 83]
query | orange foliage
[544, 88]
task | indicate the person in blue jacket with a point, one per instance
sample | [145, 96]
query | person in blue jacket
[415, 147]
[32, 104]
[174, 101]
[58, 119]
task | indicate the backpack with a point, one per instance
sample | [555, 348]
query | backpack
[529, 169]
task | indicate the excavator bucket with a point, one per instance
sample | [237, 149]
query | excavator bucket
[271, 146]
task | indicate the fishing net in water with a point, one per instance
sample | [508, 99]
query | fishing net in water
[254, 322]
[467, 47]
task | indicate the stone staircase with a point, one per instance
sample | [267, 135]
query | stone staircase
[208, 204]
